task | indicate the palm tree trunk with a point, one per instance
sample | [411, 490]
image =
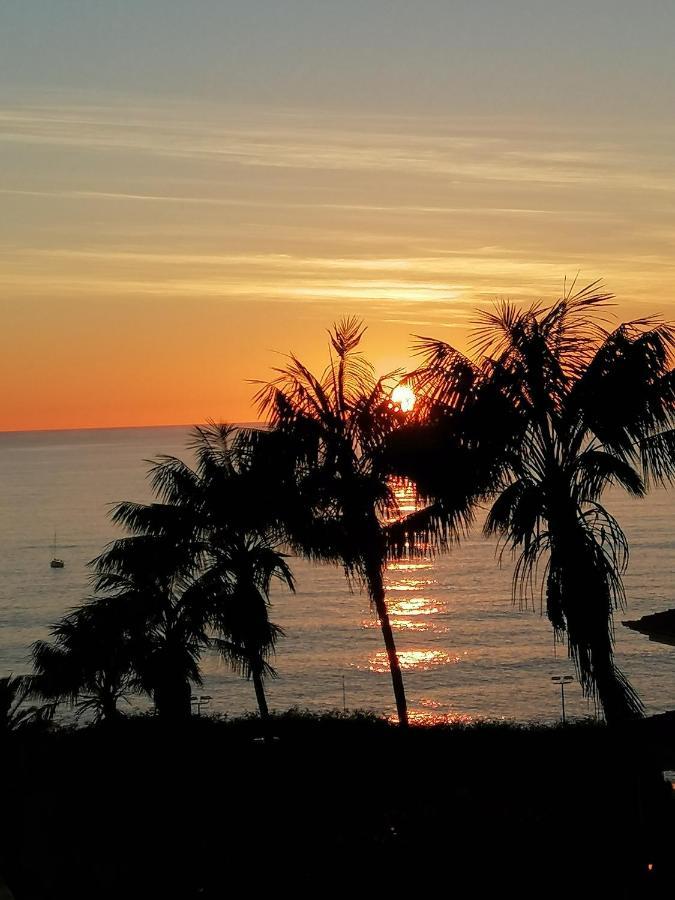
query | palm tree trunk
[260, 694]
[109, 710]
[172, 699]
[258, 684]
[617, 697]
[377, 595]
[583, 605]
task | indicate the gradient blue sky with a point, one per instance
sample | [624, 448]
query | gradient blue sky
[186, 186]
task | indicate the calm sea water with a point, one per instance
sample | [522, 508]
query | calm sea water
[466, 650]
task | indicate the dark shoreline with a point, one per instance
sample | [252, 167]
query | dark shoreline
[142, 810]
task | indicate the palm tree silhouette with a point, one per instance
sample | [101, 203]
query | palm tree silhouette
[249, 638]
[194, 572]
[89, 661]
[554, 409]
[330, 431]
[15, 715]
[228, 505]
[150, 580]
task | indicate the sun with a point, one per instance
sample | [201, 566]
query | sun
[402, 398]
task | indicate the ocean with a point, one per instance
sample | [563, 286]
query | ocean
[466, 650]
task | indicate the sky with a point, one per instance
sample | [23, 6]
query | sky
[188, 190]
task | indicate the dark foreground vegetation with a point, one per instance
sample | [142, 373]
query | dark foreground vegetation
[207, 809]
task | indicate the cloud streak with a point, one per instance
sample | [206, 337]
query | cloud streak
[315, 145]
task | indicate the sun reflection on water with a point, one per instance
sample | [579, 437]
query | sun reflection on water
[409, 584]
[432, 714]
[419, 660]
[404, 492]
[406, 579]
[402, 623]
[413, 606]
[423, 718]
[405, 566]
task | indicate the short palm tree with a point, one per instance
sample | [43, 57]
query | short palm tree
[88, 662]
[247, 638]
[553, 410]
[333, 428]
[150, 581]
[230, 505]
[15, 715]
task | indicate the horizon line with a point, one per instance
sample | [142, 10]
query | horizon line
[48, 430]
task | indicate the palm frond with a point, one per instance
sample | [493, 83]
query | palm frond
[596, 470]
[657, 455]
[427, 531]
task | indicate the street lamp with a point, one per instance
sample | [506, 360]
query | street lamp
[562, 680]
[669, 778]
[202, 700]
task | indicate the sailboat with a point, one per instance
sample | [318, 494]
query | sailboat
[56, 562]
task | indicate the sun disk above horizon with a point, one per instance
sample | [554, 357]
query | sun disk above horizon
[402, 398]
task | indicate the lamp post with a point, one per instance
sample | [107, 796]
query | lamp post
[562, 680]
[200, 701]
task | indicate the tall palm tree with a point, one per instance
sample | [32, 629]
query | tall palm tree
[339, 497]
[229, 504]
[553, 410]
[89, 661]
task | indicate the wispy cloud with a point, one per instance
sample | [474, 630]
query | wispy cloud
[370, 208]
[314, 144]
[401, 215]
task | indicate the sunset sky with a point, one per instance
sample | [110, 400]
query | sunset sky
[188, 187]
